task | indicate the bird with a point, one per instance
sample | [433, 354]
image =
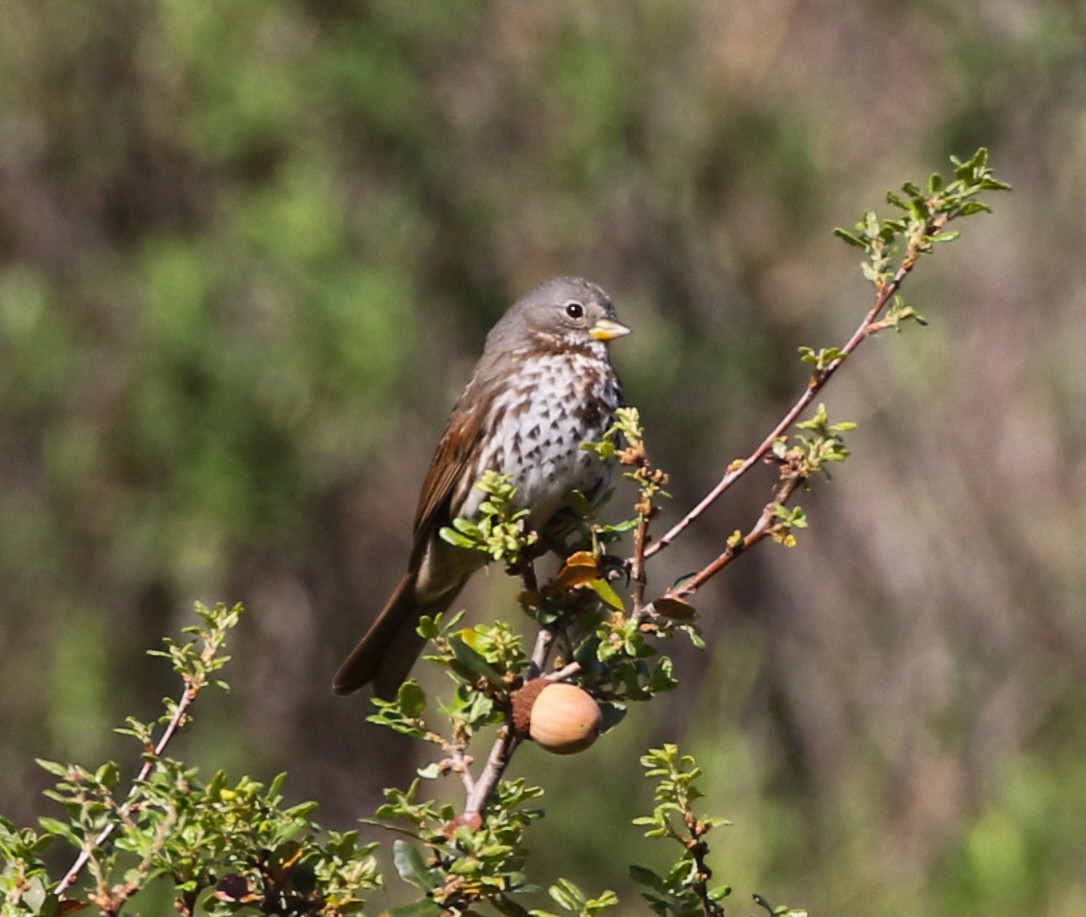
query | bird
[543, 386]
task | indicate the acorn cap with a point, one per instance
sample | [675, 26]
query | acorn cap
[523, 699]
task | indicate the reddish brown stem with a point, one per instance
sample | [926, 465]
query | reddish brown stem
[765, 526]
[175, 723]
[637, 568]
[498, 759]
[868, 326]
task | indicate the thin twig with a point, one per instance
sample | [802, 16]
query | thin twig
[868, 326]
[192, 689]
[543, 642]
[637, 567]
[195, 681]
[566, 672]
[698, 850]
[498, 759]
[764, 527]
[459, 762]
[504, 745]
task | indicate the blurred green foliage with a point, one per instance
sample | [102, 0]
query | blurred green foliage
[249, 250]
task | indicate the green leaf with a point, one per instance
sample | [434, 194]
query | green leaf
[454, 538]
[605, 591]
[511, 908]
[425, 907]
[618, 527]
[567, 895]
[642, 875]
[427, 628]
[52, 767]
[59, 828]
[411, 866]
[604, 900]
[850, 238]
[108, 774]
[411, 699]
[473, 661]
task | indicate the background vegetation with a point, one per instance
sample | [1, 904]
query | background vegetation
[248, 253]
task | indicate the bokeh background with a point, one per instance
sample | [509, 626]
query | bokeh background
[248, 254]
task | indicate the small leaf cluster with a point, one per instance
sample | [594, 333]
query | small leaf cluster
[499, 529]
[786, 519]
[226, 846]
[198, 658]
[808, 453]
[404, 713]
[25, 883]
[684, 889]
[825, 444]
[925, 213]
[486, 663]
[650, 480]
[491, 655]
[617, 661]
[897, 313]
[624, 433]
[822, 359]
[620, 664]
[673, 614]
[570, 898]
[457, 862]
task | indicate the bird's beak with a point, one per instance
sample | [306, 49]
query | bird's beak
[607, 329]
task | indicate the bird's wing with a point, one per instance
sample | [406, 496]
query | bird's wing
[445, 483]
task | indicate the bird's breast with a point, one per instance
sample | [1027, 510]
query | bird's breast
[535, 427]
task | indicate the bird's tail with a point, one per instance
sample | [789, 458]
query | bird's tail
[390, 647]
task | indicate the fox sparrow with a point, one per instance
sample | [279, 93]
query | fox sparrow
[543, 386]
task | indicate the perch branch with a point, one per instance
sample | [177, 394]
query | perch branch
[865, 329]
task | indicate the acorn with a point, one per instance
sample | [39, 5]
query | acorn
[559, 717]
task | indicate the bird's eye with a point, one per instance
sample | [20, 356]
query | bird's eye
[574, 310]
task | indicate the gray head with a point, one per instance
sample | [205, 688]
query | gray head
[566, 310]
